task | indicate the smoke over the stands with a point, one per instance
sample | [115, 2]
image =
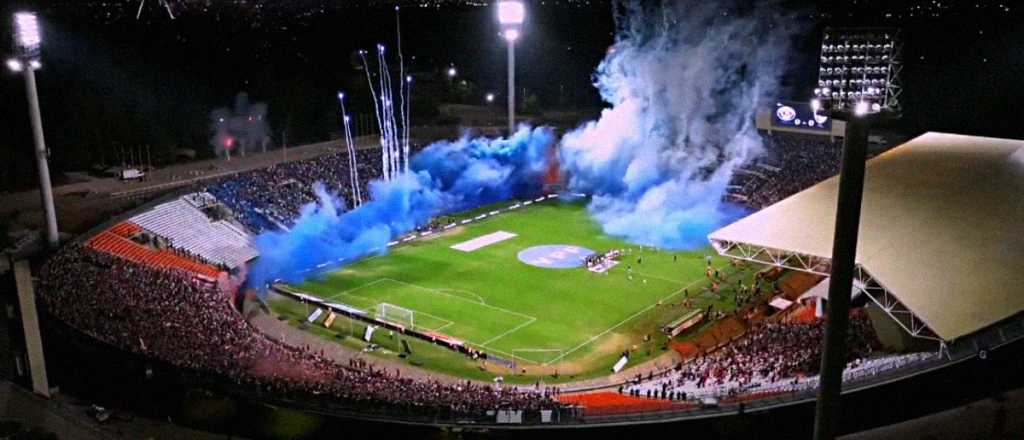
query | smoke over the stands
[240, 129]
[684, 80]
[444, 177]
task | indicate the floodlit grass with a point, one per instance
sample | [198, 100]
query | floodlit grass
[568, 319]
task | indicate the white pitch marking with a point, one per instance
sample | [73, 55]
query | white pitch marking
[441, 291]
[510, 331]
[630, 318]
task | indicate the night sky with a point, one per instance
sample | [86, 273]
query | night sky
[110, 80]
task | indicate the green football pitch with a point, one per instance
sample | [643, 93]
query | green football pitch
[491, 300]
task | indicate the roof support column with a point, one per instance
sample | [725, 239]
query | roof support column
[844, 251]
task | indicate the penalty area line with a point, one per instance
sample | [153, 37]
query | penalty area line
[508, 332]
[348, 292]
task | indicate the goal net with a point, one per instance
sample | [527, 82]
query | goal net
[396, 314]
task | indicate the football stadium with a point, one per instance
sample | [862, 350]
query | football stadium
[509, 294]
[697, 255]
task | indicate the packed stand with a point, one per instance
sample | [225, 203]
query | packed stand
[790, 164]
[166, 315]
[272, 197]
[767, 354]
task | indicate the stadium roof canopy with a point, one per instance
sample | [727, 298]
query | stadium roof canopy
[941, 244]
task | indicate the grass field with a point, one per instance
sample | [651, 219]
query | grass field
[570, 319]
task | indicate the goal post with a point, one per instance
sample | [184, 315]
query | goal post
[396, 314]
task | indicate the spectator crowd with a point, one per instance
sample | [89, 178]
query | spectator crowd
[169, 316]
[791, 163]
[270, 197]
[769, 353]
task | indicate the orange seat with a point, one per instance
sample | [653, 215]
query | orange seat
[126, 229]
[607, 403]
[109, 242]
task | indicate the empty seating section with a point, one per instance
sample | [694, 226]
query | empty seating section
[112, 243]
[190, 230]
[200, 199]
[608, 403]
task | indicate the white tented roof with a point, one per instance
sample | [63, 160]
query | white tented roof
[942, 228]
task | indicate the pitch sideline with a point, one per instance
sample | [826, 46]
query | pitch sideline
[629, 318]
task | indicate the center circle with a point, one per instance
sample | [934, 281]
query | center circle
[555, 256]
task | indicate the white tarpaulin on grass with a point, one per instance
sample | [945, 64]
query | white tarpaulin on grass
[482, 241]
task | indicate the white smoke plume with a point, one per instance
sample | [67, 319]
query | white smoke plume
[684, 79]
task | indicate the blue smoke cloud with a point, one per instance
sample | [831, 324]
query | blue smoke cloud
[684, 80]
[444, 177]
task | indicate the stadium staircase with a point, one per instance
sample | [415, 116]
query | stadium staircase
[115, 244]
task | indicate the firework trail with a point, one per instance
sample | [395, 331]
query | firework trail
[353, 173]
[385, 171]
[405, 90]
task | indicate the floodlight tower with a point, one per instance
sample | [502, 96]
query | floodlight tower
[511, 15]
[27, 41]
[858, 81]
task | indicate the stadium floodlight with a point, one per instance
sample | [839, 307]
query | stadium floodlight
[858, 81]
[861, 108]
[511, 13]
[859, 65]
[27, 43]
[511, 16]
[27, 38]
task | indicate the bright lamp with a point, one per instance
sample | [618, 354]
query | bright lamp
[511, 13]
[26, 33]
